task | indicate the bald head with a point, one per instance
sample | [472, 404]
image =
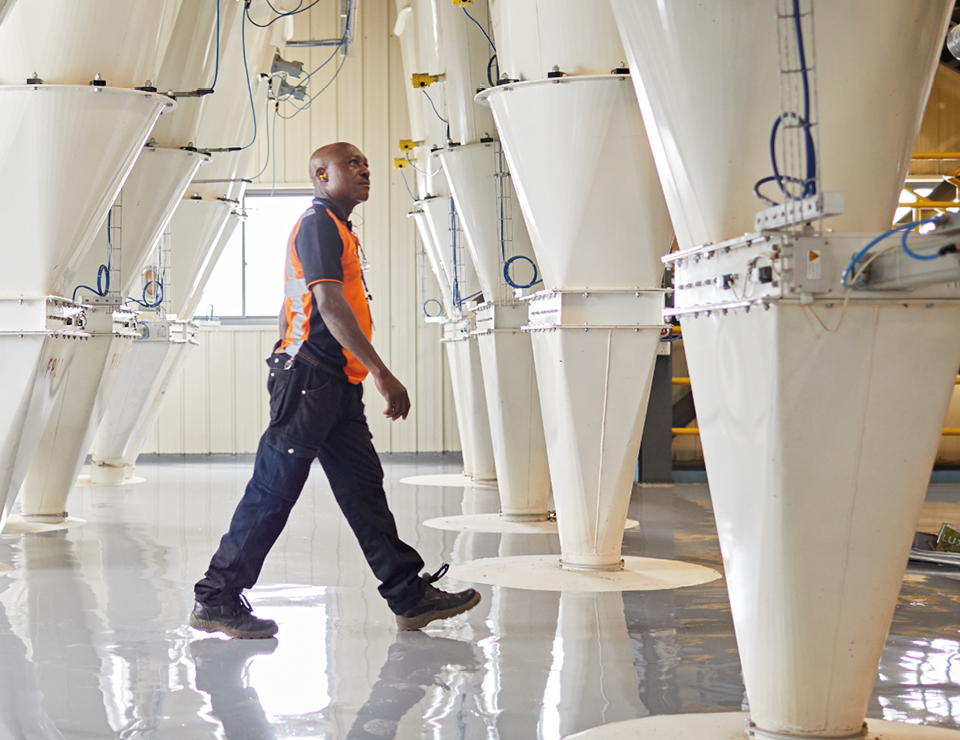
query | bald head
[340, 173]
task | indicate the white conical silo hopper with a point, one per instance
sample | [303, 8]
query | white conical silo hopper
[482, 192]
[38, 337]
[5, 7]
[144, 376]
[586, 181]
[122, 41]
[87, 387]
[420, 51]
[70, 144]
[506, 353]
[819, 423]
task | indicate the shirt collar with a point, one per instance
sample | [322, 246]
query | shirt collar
[334, 210]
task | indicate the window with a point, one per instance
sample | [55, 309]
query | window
[247, 282]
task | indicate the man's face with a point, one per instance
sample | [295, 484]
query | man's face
[348, 176]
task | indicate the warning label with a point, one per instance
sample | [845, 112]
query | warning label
[813, 264]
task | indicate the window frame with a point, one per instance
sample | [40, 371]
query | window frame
[246, 319]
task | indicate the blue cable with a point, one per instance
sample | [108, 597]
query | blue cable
[266, 118]
[811, 187]
[407, 185]
[322, 90]
[103, 284]
[506, 272]
[910, 252]
[453, 230]
[216, 70]
[273, 146]
[427, 313]
[877, 240]
[490, 77]
[295, 11]
[809, 184]
[338, 47]
[424, 91]
[145, 303]
[480, 27]
[246, 70]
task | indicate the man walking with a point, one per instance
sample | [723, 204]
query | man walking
[317, 411]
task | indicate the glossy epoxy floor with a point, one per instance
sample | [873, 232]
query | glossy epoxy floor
[93, 641]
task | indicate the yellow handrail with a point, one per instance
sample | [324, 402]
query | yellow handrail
[686, 381]
[936, 155]
[695, 432]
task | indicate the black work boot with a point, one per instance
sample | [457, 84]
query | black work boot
[235, 619]
[436, 604]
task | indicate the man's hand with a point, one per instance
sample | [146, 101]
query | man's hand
[393, 392]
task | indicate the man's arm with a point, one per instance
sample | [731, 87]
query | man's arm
[283, 321]
[341, 322]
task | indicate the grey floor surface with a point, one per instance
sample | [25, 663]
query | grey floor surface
[94, 642]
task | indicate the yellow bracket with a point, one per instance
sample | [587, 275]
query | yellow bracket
[461, 2]
[407, 145]
[399, 163]
[423, 80]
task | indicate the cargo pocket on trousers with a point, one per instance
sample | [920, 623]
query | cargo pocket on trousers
[281, 386]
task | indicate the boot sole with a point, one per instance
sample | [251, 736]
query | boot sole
[205, 626]
[408, 624]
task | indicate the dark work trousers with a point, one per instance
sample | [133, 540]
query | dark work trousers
[313, 414]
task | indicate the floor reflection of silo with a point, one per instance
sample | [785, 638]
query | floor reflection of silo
[21, 701]
[65, 630]
[593, 680]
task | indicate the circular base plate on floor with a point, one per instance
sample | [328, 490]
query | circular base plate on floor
[16, 524]
[494, 523]
[730, 726]
[542, 573]
[4, 568]
[84, 480]
[445, 479]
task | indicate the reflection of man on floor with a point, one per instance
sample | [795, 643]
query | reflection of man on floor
[317, 411]
[221, 673]
[414, 662]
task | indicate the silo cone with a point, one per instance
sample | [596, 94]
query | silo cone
[69, 433]
[470, 398]
[471, 402]
[506, 353]
[430, 250]
[195, 229]
[586, 181]
[38, 337]
[73, 146]
[5, 7]
[819, 431]
[453, 355]
[143, 373]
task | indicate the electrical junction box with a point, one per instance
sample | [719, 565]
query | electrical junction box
[760, 269]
